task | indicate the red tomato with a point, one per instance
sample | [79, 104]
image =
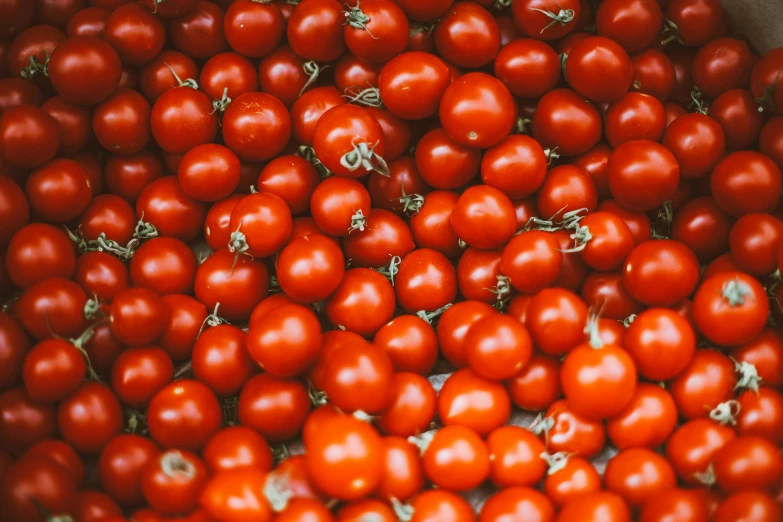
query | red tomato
[661, 273]
[529, 68]
[183, 118]
[730, 308]
[293, 179]
[310, 268]
[647, 421]
[340, 205]
[412, 406]
[744, 182]
[737, 113]
[653, 74]
[221, 360]
[81, 57]
[376, 30]
[136, 34]
[721, 65]
[261, 224]
[350, 142]
[765, 353]
[761, 413]
[53, 369]
[309, 108]
[754, 243]
[749, 505]
[253, 29]
[696, 395]
[484, 217]
[425, 280]
[544, 19]
[286, 341]
[638, 474]
[200, 32]
[29, 137]
[276, 408]
[237, 494]
[443, 163]
[59, 191]
[237, 447]
[634, 25]
[703, 227]
[599, 69]
[603, 505]
[120, 464]
[412, 84]
[33, 483]
[455, 458]
[53, 308]
[467, 36]
[556, 320]
[362, 303]
[90, 417]
[466, 399]
[642, 174]
[171, 483]
[696, 22]
[537, 386]
[634, 116]
[566, 188]
[515, 457]
[346, 460]
[531, 261]
[256, 126]
[566, 121]
[385, 237]
[505, 158]
[748, 462]
[661, 343]
[497, 347]
[185, 414]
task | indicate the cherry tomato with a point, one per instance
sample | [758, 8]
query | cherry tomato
[171, 482]
[485, 209]
[661, 343]
[385, 236]
[566, 121]
[376, 30]
[600, 505]
[237, 494]
[308, 109]
[466, 399]
[748, 462]
[653, 74]
[200, 33]
[310, 268]
[660, 273]
[183, 118]
[85, 57]
[529, 68]
[749, 504]
[634, 116]
[411, 85]
[745, 182]
[467, 36]
[185, 414]
[455, 458]
[544, 19]
[90, 417]
[425, 280]
[315, 30]
[506, 157]
[256, 126]
[721, 65]
[350, 142]
[738, 115]
[253, 29]
[53, 308]
[412, 406]
[443, 163]
[53, 369]
[136, 34]
[515, 457]
[531, 252]
[36, 482]
[340, 206]
[694, 394]
[642, 174]
[120, 466]
[754, 243]
[599, 69]
[276, 408]
[634, 25]
[29, 136]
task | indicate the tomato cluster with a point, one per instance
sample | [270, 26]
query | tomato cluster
[389, 261]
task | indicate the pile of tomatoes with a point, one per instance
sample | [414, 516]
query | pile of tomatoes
[389, 261]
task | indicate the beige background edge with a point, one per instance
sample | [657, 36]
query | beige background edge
[760, 21]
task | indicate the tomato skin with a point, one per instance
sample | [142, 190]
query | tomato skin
[598, 57]
[721, 65]
[308, 109]
[256, 126]
[200, 32]
[165, 265]
[754, 243]
[749, 505]
[464, 23]
[183, 118]
[73, 121]
[221, 361]
[555, 319]
[253, 29]
[59, 190]
[128, 176]
[302, 273]
[412, 84]
[653, 74]
[443, 163]
[431, 226]
[647, 421]
[292, 178]
[510, 154]
[713, 311]
[412, 406]
[703, 227]
[529, 68]
[29, 137]
[661, 343]
[761, 414]
[531, 252]
[120, 464]
[770, 142]
[237, 495]
[155, 78]
[136, 34]
[638, 474]
[744, 182]
[237, 447]
[276, 408]
[456, 459]
[137, 316]
[748, 462]
[90, 417]
[765, 352]
[216, 224]
[216, 282]
[386, 235]
[604, 506]
[14, 209]
[694, 394]
[14, 345]
[678, 502]
[85, 57]
[95, 505]
[497, 347]
[537, 386]
[185, 414]
[25, 422]
[737, 113]
[324, 19]
[576, 477]
[36, 481]
[515, 457]
[565, 120]
[186, 315]
[347, 475]
[634, 25]
[425, 280]
[487, 209]
[362, 303]
[466, 399]
[660, 273]
[477, 110]
[171, 483]
[53, 369]
[53, 308]
[382, 37]
[285, 342]
[337, 135]
[635, 116]
[642, 174]
[536, 18]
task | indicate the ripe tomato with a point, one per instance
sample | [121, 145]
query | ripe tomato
[544, 19]
[276, 408]
[703, 227]
[599, 69]
[90, 417]
[172, 481]
[14, 209]
[431, 225]
[135, 33]
[721, 65]
[443, 163]
[505, 158]
[137, 316]
[345, 461]
[29, 137]
[634, 25]
[238, 284]
[95, 505]
[358, 377]
[261, 224]
[53, 308]
[286, 341]
[25, 422]
[362, 303]
[556, 320]
[350, 142]
[497, 347]
[661, 273]
[376, 30]
[515, 457]
[642, 174]
[120, 464]
[385, 236]
[678, 502]
[761, 413]
[697, 21]
[661, 343]
[256, 126]
[653, 74]
[537, 386]
[293, 179]
[634, 116]
[566, 189]
[386, 192]
[39, 251]
[81, 57]
[744, 182]
[531, 252]
[566, 121]
[730, 308]
[156, 76]
[237, 447]
[748, 462]
[747, 504]
[425, 280]
[165, 265]
[59, 191]
[467, 35]
[237, 494]
[477, 276]
[33, 483]
[466, 399]
[186, 315]
[638, 474]
[737, 113]
[53, 369]
[568, 477]
[455, 458]
[200, 32]
[185, 414]
[340, 205]
[529, 68]
[209, 172]
[402, 476]
[221, 360]
[310, 268]
[600, 505]
[484, 217]
[647, 421]
[253, 29]
[412, 406]
[695, 394]
[14, 345]
[411, 85]
[754, 243]
[453, 326]
[309, 108]
[183, 118]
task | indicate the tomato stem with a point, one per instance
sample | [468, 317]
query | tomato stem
[563, 17]
[358, 221]
[411, 204]
[592, 330]
[369, 97]
[749, 378]
[312, 70]
[190, 82]
[391, 269]
[404, 512]
[222, 104]
[555, 461]
[432, 316]
[308, 153]
[767, 100]
[277, 492]
[670, 32]
[174, 464]
[355, 18]
[726, 412]
[363, 156]
[423, 440]
[35, 67]
[707, 477]
[735, 291]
